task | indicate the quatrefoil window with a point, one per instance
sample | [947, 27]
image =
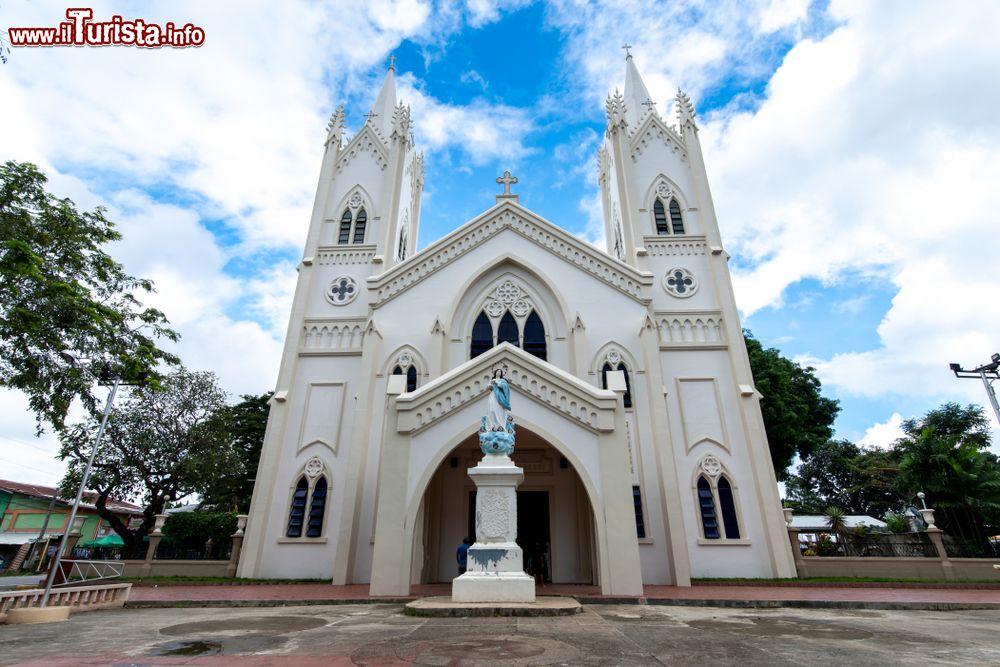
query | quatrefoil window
[342, 291]
[680, 282]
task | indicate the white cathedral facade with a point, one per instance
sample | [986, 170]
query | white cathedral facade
[389, 352]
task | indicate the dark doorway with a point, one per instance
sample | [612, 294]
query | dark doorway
[532, 530]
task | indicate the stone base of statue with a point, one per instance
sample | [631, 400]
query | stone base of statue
[495, 571]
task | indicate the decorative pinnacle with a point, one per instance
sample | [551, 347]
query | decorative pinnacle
[336, 125]
[685, 110]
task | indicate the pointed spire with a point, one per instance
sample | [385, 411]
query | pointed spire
[637, 98]
[383, 111]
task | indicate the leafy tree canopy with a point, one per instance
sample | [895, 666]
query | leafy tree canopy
[246, 422]
[60, 290]
[160, 446]
[839, 473]
[944, 455]
[797, 417]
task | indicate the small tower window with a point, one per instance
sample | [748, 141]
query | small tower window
[640, 522]
[482, 336]
[534, 336]
[676, 221]
[317, 508]
[359, 226]
[706, 507]
[660, 216]
[728, 507]
[345, 228]
[507, 331]
[298, 510]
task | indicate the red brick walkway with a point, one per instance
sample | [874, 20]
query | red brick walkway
[832, 596]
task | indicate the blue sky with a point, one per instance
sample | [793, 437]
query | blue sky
[852, 153]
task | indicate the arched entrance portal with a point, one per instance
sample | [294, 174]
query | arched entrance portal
[555, 520]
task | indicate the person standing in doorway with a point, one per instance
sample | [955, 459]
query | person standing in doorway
[462, 555]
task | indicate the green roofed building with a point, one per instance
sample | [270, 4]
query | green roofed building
[23, 511]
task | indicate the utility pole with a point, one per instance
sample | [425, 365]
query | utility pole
[987, 373]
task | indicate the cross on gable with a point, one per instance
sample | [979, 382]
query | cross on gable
[369, 116]
[627, 46]
[507, 180]
[649, 104]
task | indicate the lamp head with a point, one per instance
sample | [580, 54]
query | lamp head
[954, 367]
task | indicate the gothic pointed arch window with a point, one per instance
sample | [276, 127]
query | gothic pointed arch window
[706, 508]
[345, 228]
[507, 331]
[482, 336]
[360, 223]
[676, 221]
[353, 222]
[509, 310]
[411, 376]
[727, 505]
[317, 508]
[534, 336]
[716, 499]
[297, 511]
[660, 217]
[308, 504]
[627, 398]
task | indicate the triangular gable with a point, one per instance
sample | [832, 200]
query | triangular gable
[509, 215]
[653, 128]
[528, 375]
[366, 140]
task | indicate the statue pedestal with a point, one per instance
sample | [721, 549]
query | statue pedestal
[495, 570]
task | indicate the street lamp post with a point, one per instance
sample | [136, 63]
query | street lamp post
[987, 373]
[54, 567]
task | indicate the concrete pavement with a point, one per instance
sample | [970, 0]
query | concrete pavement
[605, 634]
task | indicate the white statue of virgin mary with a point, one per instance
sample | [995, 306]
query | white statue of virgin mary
[499, 403]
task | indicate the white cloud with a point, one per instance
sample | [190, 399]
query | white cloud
[882, 435]
[483, 132]
[866, 159]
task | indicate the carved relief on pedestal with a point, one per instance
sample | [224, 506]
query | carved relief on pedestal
[492, 515]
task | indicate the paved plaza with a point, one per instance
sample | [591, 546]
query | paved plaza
[603, 634]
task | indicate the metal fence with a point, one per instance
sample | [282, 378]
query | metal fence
[208, 551]
[881, 545]
[957, 548]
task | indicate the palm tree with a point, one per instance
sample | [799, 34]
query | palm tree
[836, 519]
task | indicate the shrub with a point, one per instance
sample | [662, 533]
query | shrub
[897, 523]
[196, 528]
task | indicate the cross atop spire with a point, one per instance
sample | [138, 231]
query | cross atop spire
[392, 62]
[507, 180]
[627, 46]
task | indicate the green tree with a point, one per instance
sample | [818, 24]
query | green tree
[60, 290]
[246, 422]
[841, 474]
[944, 455]
[160, 446]
[797, 417]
